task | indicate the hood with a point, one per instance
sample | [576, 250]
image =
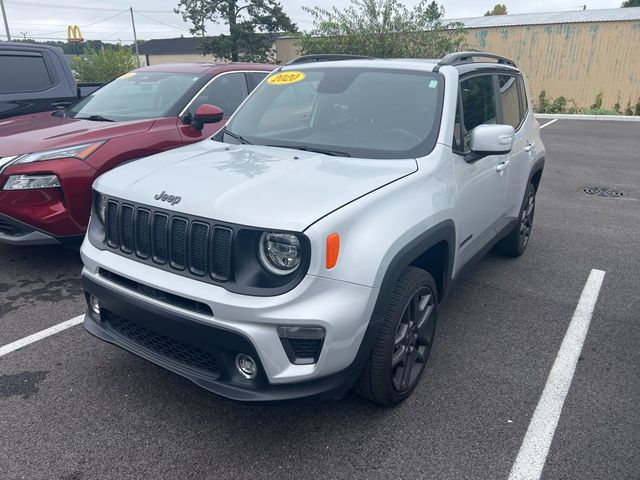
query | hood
[42, 131]
[251, 185]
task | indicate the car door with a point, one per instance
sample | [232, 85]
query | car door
[227, 91]
[513, 111]
[481, 183]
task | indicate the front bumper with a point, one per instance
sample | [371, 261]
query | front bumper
[239, 324]
[55, 213]
[13, 232]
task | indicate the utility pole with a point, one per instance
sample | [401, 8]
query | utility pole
[6, 22]
[135, 37]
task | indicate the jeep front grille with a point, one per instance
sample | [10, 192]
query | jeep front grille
[173, 241]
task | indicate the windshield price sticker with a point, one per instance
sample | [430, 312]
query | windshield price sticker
[285, 78]
[127, 75]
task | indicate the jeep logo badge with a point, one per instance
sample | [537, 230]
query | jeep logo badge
[165, 197]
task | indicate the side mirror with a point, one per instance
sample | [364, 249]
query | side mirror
[206, 114]
[490, 140]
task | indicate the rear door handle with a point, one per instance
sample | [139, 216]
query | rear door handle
[529, 147]
[502, 166]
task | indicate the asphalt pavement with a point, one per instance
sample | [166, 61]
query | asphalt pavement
[74, 408]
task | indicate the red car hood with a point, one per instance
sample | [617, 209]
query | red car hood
[42, 131]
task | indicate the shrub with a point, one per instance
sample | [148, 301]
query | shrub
[598, 103]
[628, 110]
[616, 106]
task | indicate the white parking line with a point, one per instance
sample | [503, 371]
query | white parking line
[12, 347]
[549, 123]
[535, 446]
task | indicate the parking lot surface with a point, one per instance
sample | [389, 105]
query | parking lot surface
[72, 407]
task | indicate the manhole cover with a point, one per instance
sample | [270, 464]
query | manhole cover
[604, 192]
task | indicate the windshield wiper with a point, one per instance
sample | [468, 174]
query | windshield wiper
[326, 151]
[95, 118]
[240, 138]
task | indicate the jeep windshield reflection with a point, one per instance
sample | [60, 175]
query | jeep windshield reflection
[342, 111]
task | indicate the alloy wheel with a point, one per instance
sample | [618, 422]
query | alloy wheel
[413, 339]
[526, 219]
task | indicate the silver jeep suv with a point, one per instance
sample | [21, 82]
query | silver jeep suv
[307, 247]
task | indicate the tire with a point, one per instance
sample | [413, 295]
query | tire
[405, 339]
[516, 241]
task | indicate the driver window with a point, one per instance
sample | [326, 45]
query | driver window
[478, 105]
[227, 91]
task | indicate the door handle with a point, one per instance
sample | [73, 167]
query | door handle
[529, 147]
[502, 166]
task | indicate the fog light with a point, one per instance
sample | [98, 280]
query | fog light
[94, 304]
[246, 366]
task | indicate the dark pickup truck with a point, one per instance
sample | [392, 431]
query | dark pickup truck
[36, 78]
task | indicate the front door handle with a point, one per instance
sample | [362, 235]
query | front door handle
[502, 166]
[529, 147]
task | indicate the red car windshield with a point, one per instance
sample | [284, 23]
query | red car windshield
[137, 96]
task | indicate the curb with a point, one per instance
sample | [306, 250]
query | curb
[568, 116]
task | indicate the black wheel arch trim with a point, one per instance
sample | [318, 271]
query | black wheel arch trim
[442, 232]
[538, 166]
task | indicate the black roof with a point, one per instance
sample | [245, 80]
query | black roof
[171, 46]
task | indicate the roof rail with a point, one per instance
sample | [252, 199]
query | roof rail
[325, 57]
[458, 58]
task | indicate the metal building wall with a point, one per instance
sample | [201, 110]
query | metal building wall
[576, 60]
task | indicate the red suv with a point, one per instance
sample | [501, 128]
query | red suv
[48, 161]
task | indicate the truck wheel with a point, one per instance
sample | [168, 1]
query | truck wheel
[403, 345]
[514, 244]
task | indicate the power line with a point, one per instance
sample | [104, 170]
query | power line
[88, 24]
[161, 23]
[76, 7]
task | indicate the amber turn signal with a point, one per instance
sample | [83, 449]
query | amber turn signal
[333, 250]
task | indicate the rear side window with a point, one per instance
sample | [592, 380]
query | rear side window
[509, 100]
[478, 105]
[23, 73]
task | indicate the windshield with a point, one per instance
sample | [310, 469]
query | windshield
[138, 95]
[353, 112]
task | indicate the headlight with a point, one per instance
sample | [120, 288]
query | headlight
[101, 207]
[29, 182]
[77, 151]
[280, 253]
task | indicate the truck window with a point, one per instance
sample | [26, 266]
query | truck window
[23, 73]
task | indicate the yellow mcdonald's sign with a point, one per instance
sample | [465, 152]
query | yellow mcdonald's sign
[74, 34]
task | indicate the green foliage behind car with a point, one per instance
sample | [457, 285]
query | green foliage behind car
[103, 66]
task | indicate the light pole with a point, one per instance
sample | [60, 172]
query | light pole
[135, 37]
[6, 23]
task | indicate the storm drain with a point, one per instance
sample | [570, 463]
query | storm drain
[608, 192]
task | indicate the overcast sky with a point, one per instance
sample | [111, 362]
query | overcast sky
[48, 19]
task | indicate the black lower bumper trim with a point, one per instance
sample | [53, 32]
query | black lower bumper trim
[221, 344]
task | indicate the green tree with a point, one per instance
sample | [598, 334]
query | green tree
[631, 3]
[252, 25]
[499, 9]
[103, 66]
[382, 28]
[87, 46]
